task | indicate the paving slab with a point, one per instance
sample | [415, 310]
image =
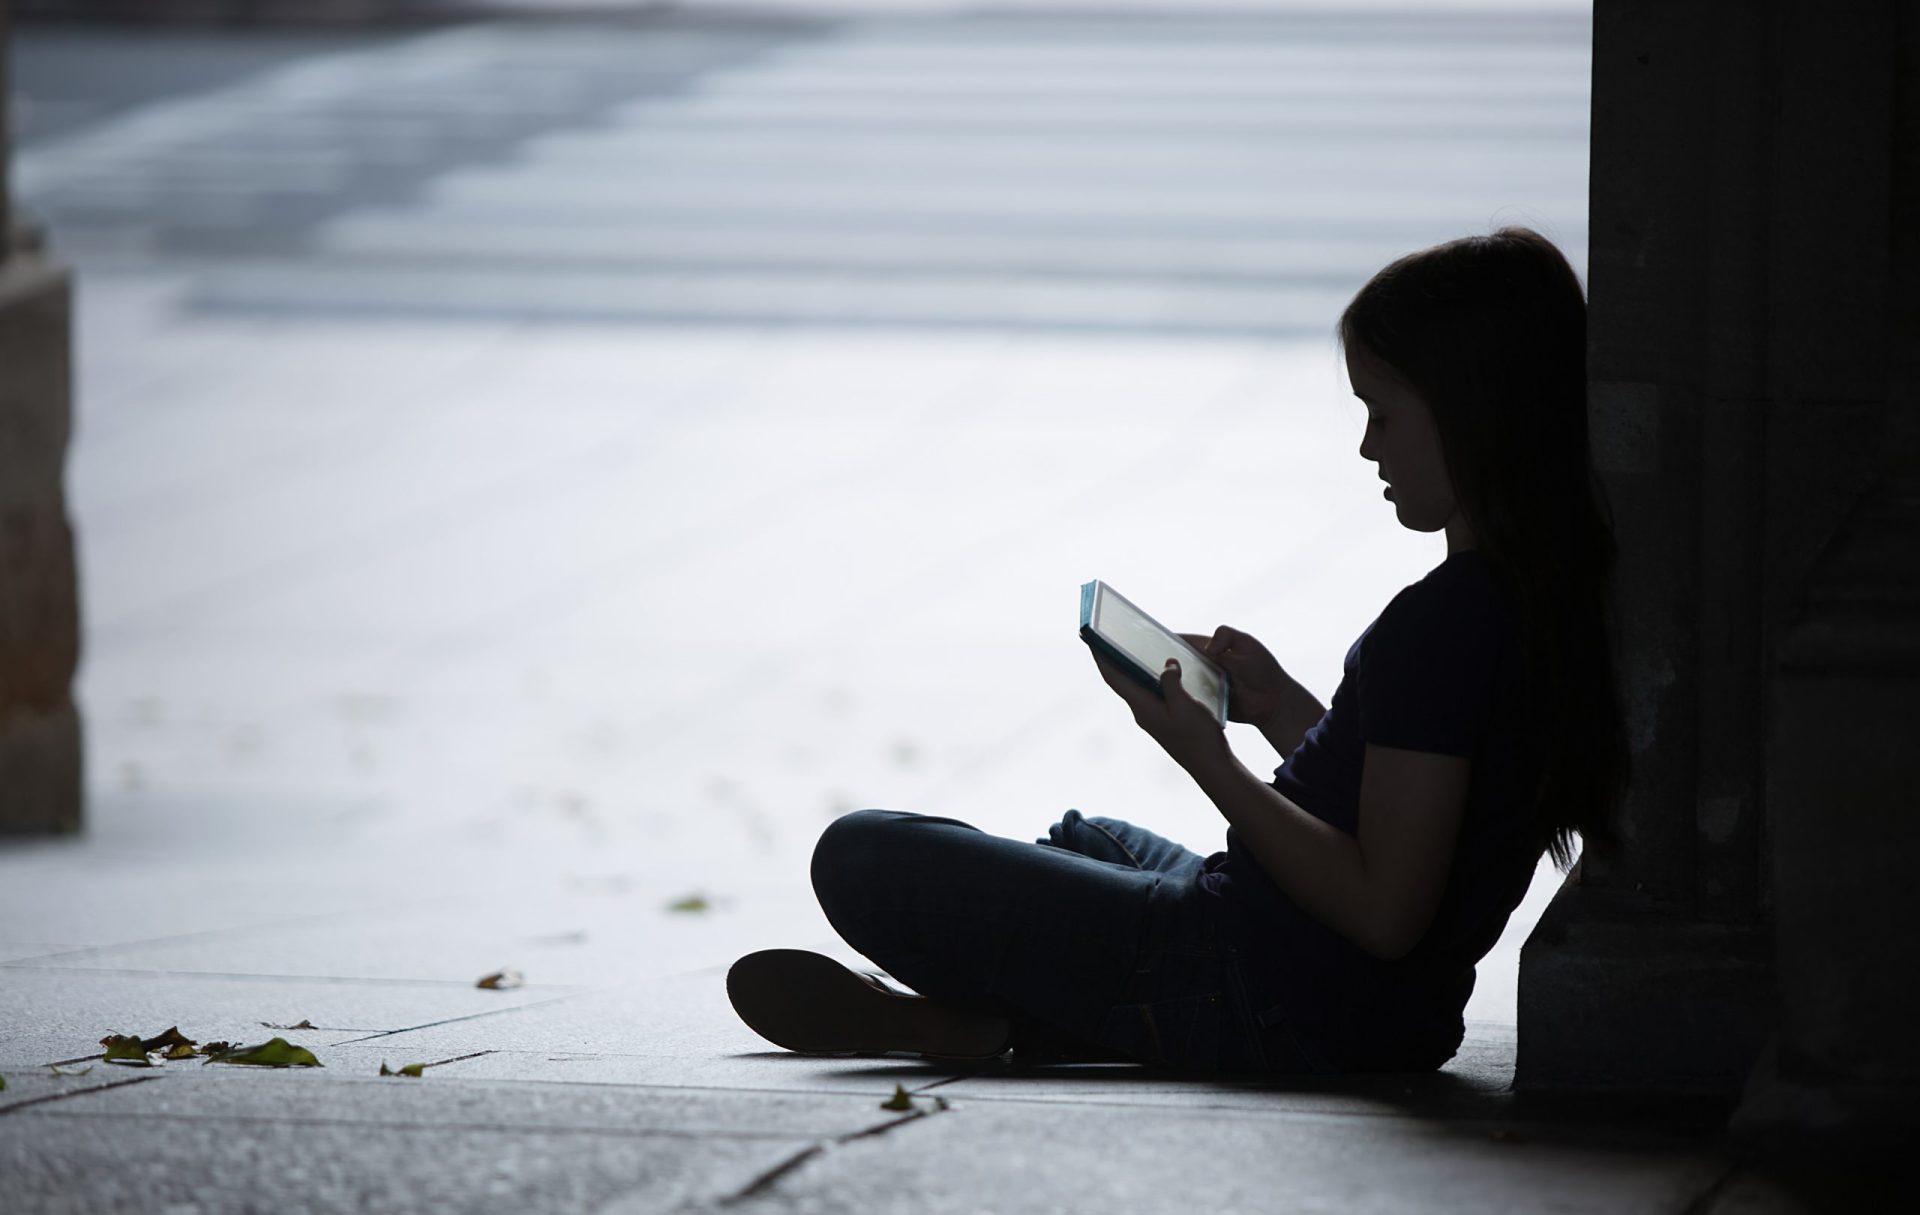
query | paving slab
[37, 1086]
[552, 936]
[1018, 1157]
[50, 1015]
[298, 1142]
[768, 1070]
[1475, 1083]
[678, 1031]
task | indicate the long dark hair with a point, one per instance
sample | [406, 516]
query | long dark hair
[1492, 332]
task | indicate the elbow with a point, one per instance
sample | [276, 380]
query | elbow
[1392, 941]
[1389, 950]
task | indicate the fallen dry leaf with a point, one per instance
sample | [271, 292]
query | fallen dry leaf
[412, 1069]
[303, 1023]
[903, 1100]
[214, 1048]
[55, 1069]
[274, 1052]
[691, 903]
[182, 1050]
[126, 1050]
[502, 979]
[166, 1039]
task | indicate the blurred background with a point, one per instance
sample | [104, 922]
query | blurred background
[534, 463]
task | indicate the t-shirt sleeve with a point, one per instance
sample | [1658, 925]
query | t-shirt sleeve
[1430, 667]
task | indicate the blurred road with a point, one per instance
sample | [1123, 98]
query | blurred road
[1232, 175]
[527, 473]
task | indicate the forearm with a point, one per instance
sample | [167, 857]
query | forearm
[1314, 863]
[1290, 723]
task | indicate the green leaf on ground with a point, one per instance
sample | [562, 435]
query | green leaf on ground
[181, 1050]
[275, 1052]
[412, 1069]
[125, 1049]
[503, 979]
[3, 1084]
[691, 903]
[899, 1101]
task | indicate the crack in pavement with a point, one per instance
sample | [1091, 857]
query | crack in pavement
[771, 1177]
[91, 1088]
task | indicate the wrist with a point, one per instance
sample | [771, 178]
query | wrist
[1293, 716]
[1212, 762]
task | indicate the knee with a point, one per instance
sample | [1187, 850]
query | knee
[851, 849]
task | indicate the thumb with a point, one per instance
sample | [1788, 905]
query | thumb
[1223, 639]
[1170, 678]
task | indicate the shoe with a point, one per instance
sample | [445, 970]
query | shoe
[808, 1002]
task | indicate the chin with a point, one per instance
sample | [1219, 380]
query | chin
[1416, 524]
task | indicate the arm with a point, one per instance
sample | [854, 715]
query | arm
[1379, 889]
[1290, 722]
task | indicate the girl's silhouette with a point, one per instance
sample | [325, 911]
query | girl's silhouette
[1475, 727]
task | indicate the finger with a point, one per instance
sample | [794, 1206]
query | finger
[1170, 680]
[1117, 679]
[1223, 639]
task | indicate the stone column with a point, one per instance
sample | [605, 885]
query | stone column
[40, 788]
[1844, 1070]
[1740, 309]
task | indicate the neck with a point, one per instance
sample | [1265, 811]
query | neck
[1460, 537]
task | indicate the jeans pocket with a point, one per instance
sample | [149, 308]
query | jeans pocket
[1182, 1032]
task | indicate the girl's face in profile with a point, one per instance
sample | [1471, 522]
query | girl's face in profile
[1402, 439]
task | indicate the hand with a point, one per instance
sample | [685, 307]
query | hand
[1258, 690]
[1185, 729]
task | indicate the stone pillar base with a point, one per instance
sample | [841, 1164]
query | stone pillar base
[40, 783]
[1618, 999]
[40, 773]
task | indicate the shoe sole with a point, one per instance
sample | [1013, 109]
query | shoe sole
[808, 1002]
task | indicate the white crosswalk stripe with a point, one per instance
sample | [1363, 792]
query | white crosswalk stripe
[1180, 175]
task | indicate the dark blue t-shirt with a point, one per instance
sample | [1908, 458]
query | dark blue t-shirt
[1438, 671]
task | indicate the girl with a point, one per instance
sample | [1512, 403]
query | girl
[1474, 727]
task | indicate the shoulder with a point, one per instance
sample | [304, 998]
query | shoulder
[1432, 667]
[1460, 596]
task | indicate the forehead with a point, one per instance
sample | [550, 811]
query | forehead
[1371, 377]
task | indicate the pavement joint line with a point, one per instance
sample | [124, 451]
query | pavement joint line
[175, 938]
[329, 980]
[91, 1088]
[767, 1180]
[605, 1132]
[491, 1012]
[457, 1058]
[1543, 1127]
[921, 1088]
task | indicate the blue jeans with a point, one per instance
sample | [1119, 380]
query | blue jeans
[1098, 941]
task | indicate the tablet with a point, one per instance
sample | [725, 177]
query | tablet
[1140, 645]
